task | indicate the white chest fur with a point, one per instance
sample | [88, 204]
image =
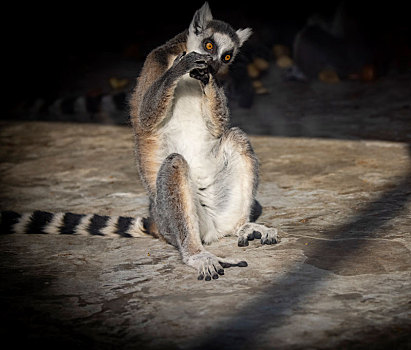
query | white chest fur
[186, 133]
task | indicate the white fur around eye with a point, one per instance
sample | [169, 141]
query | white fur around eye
[224, 43]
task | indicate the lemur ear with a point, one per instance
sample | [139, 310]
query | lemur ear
[200, 19]
[244, 34]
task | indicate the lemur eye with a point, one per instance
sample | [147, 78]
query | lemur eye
[209, 45]
[227, 58]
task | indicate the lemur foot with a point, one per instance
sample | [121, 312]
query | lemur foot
[251, 231]
[210, 266]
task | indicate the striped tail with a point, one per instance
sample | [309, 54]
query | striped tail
[41, 222]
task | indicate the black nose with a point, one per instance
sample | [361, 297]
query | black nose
[213, 67]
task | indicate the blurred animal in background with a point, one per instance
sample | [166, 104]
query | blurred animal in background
[358, 42]
[96, 105]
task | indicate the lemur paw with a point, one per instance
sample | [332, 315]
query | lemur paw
[251, 231]
[194, 63]
[210, 266]
[201, 74]
[185, 63]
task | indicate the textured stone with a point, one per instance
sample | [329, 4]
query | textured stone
[339, 278]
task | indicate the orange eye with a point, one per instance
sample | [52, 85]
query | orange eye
[209, 46]
[227, 58]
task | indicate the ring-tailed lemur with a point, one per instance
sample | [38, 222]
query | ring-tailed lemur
[201, 175]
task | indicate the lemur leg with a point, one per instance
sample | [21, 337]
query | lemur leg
[235, 189]
[237, 179]
[176, 216]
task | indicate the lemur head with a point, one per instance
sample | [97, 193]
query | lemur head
[215, 38]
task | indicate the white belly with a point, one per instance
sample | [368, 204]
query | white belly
[186, 132]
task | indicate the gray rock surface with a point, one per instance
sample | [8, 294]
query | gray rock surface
[339, 279]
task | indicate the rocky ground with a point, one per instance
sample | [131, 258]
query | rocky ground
[335, 178]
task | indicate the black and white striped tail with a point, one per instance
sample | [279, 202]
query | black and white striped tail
[42, 222]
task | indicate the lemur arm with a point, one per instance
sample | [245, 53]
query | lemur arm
[152, 74]
[218, 113]
[155, 66]
[156, 98]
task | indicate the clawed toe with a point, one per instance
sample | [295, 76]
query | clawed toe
[270, 237]
[270, 240]
[243, 240]
[213, 272]
[257, 234]
[210, 267]
[226, 265]
[252, 231]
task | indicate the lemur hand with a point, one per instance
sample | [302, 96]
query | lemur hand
[195, 63]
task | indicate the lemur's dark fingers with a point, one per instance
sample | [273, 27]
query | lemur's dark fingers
[257, 234]
[207, 59]
[243, 240]
[207, 265]
[269, 240]
[209, 272]
[201, 65]
[215, 270]
[200, 74]
[226, 265]
[206, 275]
[270, 237]
[187, 62]
[201, 57]
[251, 231]
[198, 58]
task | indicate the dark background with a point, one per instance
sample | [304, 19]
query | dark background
[48, 45]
